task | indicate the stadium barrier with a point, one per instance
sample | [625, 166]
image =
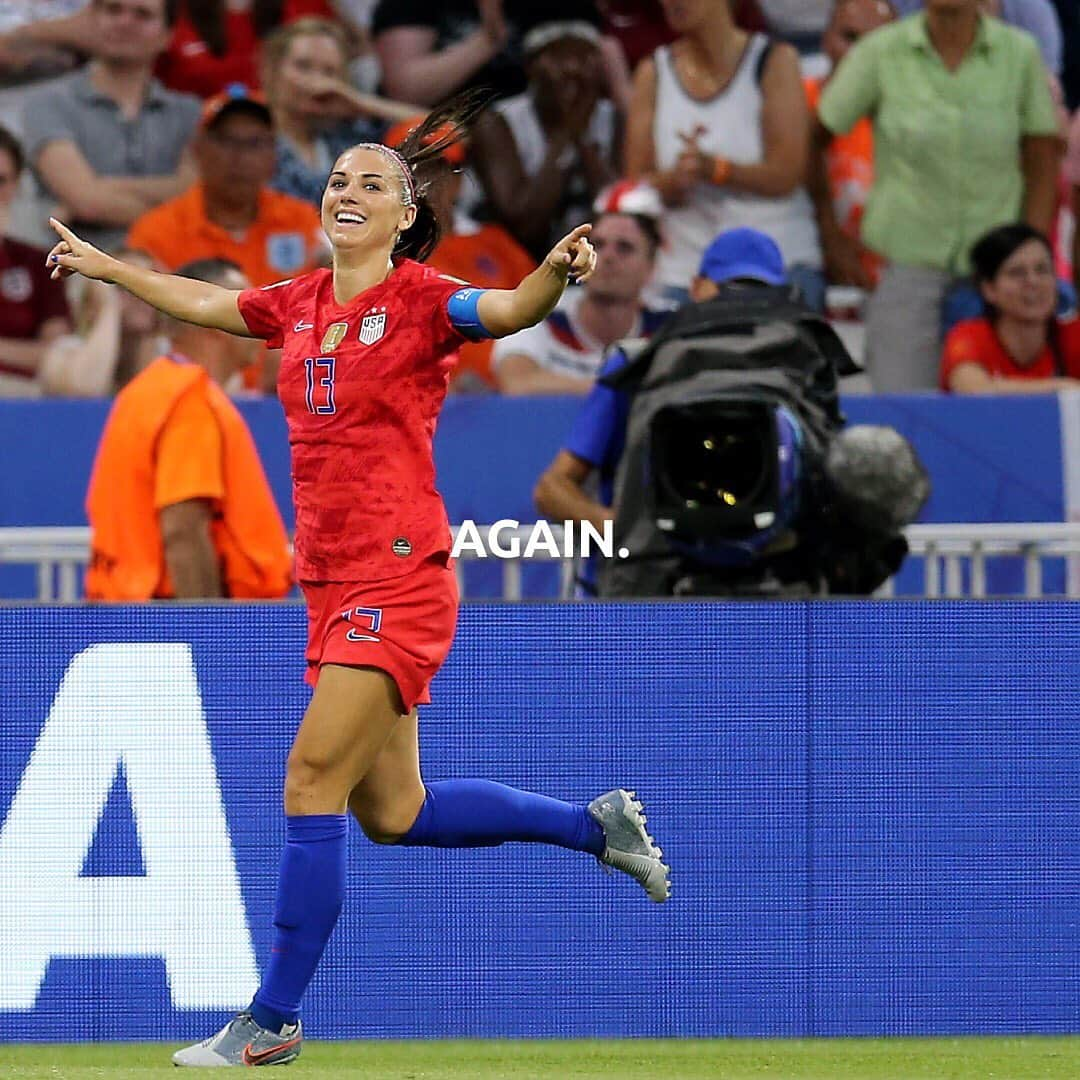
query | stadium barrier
[954, 560]
[871, 810]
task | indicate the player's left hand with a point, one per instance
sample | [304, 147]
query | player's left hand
[573, 256]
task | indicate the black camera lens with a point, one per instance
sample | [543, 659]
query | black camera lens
[719, 460]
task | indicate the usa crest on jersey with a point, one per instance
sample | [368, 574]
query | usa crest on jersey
[373, 326]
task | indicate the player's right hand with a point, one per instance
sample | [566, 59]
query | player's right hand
[73, 255]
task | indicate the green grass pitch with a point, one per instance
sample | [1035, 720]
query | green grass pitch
[636, 1059]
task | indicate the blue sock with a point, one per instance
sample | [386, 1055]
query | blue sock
[479, 813]
[310, 893]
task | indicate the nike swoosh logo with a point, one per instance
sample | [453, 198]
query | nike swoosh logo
[254, 1058]
[301, 326]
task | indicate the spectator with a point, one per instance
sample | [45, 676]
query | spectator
[117, 336]
[1019, 347]
[966, 138]
[544, 154]
[694, 133]
[179, 505]
[232, 213]
[317, 114]
[216, 43]
[563, 354]
[842, 169]
[739, 258]
[1037, 17]
[33, 308]
[485, 255]
[109, 142]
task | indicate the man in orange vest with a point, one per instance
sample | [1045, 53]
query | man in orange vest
[179, 505]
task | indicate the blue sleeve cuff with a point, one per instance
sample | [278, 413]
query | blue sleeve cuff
[464, 316]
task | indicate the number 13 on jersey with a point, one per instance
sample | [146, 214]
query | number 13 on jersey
[320, 385]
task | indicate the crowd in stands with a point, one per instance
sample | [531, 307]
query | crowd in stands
[920, 158]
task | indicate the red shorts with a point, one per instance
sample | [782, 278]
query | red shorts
[403, 626]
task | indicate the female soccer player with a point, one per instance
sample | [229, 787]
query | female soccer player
[368, 348]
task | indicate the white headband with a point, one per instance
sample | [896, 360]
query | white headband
[543, 35]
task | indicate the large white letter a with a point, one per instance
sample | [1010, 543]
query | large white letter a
[136, 706]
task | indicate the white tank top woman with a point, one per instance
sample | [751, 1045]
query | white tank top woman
[732, 124]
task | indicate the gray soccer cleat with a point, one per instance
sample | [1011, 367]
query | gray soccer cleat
[629, 847]
[242, 1042]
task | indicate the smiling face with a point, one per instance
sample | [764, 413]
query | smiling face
[1024, 288]
[364, 204]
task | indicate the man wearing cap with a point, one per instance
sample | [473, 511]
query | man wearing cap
[736, 259]
[109, 142]
[231, 212]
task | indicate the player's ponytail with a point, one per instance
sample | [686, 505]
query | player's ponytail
[442, 128]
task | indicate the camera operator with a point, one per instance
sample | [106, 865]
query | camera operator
[739, 258]
[722, 462]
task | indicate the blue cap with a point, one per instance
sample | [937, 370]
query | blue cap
[743, 253]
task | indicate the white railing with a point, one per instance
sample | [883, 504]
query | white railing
[56, 551]
[948, 550]
[954, 558]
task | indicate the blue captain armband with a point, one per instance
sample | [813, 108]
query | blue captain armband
[462, 309]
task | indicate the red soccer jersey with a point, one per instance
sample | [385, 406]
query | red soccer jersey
[362, 385]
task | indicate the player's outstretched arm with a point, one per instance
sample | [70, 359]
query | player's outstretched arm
[197, 302]
[506, 311]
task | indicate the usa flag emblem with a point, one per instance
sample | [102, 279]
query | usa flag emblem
[373, 326]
